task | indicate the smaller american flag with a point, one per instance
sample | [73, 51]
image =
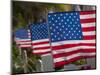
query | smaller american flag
[40, 40]
[23, 38]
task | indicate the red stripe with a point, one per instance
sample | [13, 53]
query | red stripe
[87, 12]
[62, 63]
[41, 48]
[88, 56]
[88, 50]
[89, 37]
[89, 29]
[25, 46]
[44, 42]
[71, 45]
[88, 20]
[23, 41]
[65, 54]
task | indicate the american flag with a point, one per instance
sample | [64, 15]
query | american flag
[23, 38]
[72, 36]
[40, 39]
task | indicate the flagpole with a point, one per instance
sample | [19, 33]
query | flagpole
[42, 69]
[49, 37]
[25, 63]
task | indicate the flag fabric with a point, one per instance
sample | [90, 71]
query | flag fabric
[23, 38]
[72, 36]
[40, 39]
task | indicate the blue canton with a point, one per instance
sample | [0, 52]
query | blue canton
[65, 26]
[21, 34]
[39, 31]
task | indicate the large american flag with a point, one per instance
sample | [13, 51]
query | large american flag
[72, 36]
[22, 38]
[40, 39]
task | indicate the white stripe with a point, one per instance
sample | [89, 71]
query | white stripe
[47, 54]
[25, 45]
[89, 33]
[85, 25]
[87, 16]
[72, 56]
[42, 40]
[41, 51]
[88, 54]
[23, 42]
[72, 49]
[59, 59]
[72, 42]
[42, 45]
[18, 39]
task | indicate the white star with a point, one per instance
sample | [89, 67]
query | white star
[51, 33]
[49, 16]
[58, 17]
[55, 15]
[50, 27]
[72, 34]
[66, 13]
[61, 14]
[71, 28]
[49, 21]
[76, 28]
[69, 31]
[61, 35]
[64, 37]
[74, 16]
[74, 31]
[60, 29]
[71, 13]
[70, 22]
[54, 30]
[52, 39]
[63, 26]
[58, 38]
[70, 37]
[66, 34]
[80, 37]
[53, 24]
[55, 36]
[57, 32]
[57, 27]
[66, 28]
[68, 25]
[75, 37]
[63, 31]
[79, 31]
[78, 25]
[62, 20]
[77, 19]
[69, 16]
[75, 22]
[77, 34]
[72, 19]
[64, 17]
[56, 21]
[59, 23]
[65, 23]
[76, 13]
[52, 18]
[67, 19]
